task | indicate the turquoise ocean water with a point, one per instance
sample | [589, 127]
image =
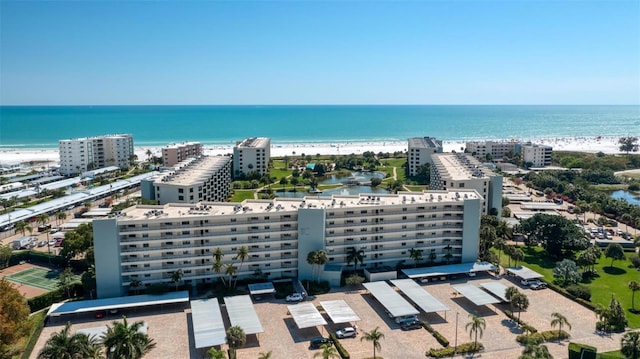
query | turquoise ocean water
[43, 126]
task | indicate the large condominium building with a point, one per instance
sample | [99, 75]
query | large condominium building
[251, 154]
[420, 150]
[149, 243]
[458, 171]
[205, 178]
[89, 153]
[178, 152]
[497, 150]
[536, 155]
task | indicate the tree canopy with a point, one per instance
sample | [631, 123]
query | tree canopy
[14, 315]
[555, 233]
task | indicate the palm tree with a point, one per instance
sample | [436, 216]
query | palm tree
[217, 267]
[328, 352]
[236, 338]
[149, 154]
[230, 270]
[176, 276]
[415, 255]
[23, 227]
[634, 286]
[63, 345]
[475, 326]
[559, 320]
[517, 255]
[65, 279]
[536, 351]
[124, 341]
[135, 284]
[373, 336]
[630, 345]
[42, 218]
[243, 254]
[355, 256]
[214, 353]
[61, 216]
[510, 292]
[626, 218]
[321, 259]
[266, 355]
[521, 302]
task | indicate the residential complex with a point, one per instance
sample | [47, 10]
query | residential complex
[458, 171]
[89, 153]
[251, 154]
[492, 150]
[149, 243]
[205, 178]
[175, 153]
[536, 155]
[420, 150]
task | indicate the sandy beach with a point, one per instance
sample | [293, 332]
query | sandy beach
[607, 145]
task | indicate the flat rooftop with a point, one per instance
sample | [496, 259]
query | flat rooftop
[194, 171]
[424, 142]
[175, 210]
[254, 142]
[459, 166]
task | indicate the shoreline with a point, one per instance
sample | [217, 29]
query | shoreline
[606, 144]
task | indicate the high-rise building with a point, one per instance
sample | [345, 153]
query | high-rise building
[149, 243]
[204, 178]
[251, 155]
[420, 150]
[536, 155]
[89, 153]
[460, 171]
[177, 152]
[492, 150]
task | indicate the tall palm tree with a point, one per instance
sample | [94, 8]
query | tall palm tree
[559, 320]
[217, 267]
[521, 302]
[61, 216]
[63, 345]
[321, 259]
[65, 279]
[626, 218]
[373, 336]
[23, 227]
[536, 351]
[510, 292]
[415, 255]
[42, 218]
[517, 255]
[355, 256]
[230, 270]
[328, 352]
[475, 326]
[135, 284]
[236, 338]
[242, 254]
[124, 341]
[634, 286]
[149, 154]
[630, 345]
[176, 276]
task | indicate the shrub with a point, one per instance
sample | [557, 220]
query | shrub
[635, 260]
[535, 338]
[575, 350]
[440, 353]
[449, 351]
[344, 354]
[436, 334]
[551, 335]
[579, 291]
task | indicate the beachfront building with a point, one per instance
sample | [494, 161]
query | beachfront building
[204, 178]
[420, 150]
[89, 153]
[492, 150]
[177, 152]
[536, 155]
[460, 171]
[149, 243]
[251, 155]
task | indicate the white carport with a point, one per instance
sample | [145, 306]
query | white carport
[208, 326]
[496, 288]
[476, 295]
[393, 302]
[524, 272]
[243, 314]
[420, 296]
[306, 315]
[339, 311]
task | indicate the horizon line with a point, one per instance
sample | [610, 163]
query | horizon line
[301, 105]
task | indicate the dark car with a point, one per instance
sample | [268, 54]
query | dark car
[410, 325]
[316, 343]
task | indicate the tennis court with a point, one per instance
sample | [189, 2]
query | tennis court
[38, 277]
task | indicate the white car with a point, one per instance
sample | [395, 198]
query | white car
[347, 332]
[295, 297]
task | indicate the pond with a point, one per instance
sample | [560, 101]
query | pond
[355, 176]
[630, 197]
[344, 190]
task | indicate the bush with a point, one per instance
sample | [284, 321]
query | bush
[440, 353]
[436, 334]
[635, 260]
[579, 291]
[461, 349]
[551, 335]
[344, 354]
[535, 338]
[575, 350]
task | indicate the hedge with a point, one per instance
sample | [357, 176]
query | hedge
[449, 351]
[546, 336]
[436, 334]
[38, 318]
[564, 293]
[576, 348]
[344, 354]
[57, 295]
[579, 291]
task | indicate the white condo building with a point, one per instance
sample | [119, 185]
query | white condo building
[459, 171]
[175, 153]
[205, 178]
[536, 155]
[420, 150]
[89, 153]
[496, 149]
[251, 154]
[149, 243]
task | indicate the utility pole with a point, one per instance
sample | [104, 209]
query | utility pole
[455, 346]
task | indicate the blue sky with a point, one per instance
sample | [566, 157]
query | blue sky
[324, 52]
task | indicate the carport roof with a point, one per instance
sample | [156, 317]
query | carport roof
[475, 294]
[84, 306]
[449, 269]
[339, 311]
[420, 296]
[496, 288]
[390, 299]
[306, 315]
[208, 326]
[243, 314]
[524, 272]
[261, 288]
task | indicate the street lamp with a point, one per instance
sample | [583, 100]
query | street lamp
[455, 346]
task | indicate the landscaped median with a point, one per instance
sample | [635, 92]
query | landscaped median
[447, 350]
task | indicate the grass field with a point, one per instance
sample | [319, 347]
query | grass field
[36, 277]
[610, 280]
[240, 195]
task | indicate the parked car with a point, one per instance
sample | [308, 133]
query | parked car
[411, 324]
[295, 297]
[347, 332]
[42, 243]
[538, 286]
[100, 314]
[317, 342]
[405, 318]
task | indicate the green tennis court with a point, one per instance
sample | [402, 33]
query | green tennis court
[42, 278]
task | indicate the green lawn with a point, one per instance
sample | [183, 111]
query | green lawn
[417, 188]
[611, 280]
[242, 194]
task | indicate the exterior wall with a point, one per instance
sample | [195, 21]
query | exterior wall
[107, 248]
[176, 153]
[311, 237]
[211, 184]
[497, 150]
[420, 150]
[76, 155]
[494, 196]
[471, 230]
[252, 154]
[147, 189]
[539, 156]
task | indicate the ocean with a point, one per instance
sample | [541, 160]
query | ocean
[43, 126]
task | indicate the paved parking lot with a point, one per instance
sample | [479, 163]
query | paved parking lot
[171, 327]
